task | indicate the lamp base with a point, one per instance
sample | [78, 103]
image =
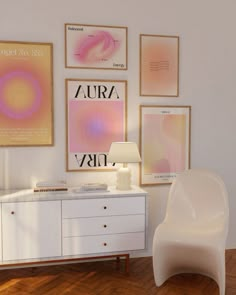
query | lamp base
[123, 179]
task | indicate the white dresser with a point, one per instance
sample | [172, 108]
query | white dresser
[57, 226]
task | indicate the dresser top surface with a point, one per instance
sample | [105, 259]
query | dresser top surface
[26, 195]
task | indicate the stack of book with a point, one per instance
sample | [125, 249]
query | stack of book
[49, 186]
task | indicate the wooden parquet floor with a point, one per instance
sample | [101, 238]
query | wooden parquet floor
[102, 278]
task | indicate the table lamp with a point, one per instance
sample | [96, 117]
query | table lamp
[123, 152]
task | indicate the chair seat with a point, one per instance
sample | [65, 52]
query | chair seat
[193, 233]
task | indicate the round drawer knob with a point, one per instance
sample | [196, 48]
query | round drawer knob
[105, 244]
[104, 225]
[12, 212]
[105, 207]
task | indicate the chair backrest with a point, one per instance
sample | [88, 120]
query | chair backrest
[197, 195]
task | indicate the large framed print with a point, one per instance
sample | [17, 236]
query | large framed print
[159, 65]
[26, 94]
[164, 143]
[95, 117]
[95, 47]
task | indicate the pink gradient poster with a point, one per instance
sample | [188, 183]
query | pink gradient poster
[164, 143]
[159, 65]
[101, 47]
[96, 116]
[26, 94]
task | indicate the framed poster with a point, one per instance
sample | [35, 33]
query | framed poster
[164, 143]
[26, 94]
[95, 117]
[95, 47]
[159, 65]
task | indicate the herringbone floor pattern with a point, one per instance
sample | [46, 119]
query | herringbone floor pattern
[102, 278]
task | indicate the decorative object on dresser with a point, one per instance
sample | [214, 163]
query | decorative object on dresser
[123, 152]
[91, 187]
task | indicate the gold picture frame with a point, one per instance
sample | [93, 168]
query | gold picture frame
[96, 47]
[159, 65]
[96, 115]
[26, 94]
[165, 134]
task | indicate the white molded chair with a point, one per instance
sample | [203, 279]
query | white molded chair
[192, 237]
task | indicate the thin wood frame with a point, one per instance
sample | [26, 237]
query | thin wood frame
[95, 117]
[165, 133]
[96, 47]
[26, 94]
[159, 65]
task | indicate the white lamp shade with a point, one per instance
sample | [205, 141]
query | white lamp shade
[123, 152]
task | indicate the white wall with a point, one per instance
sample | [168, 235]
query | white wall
[207, 83]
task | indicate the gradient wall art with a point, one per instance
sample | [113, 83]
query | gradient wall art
[26, 94]
[164, 143]
[96, 116]
[97, 47]
[159, 65]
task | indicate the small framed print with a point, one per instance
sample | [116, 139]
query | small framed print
[95, 47]
[95, 117]
[26, 94]
[159, 65]
[164, 143]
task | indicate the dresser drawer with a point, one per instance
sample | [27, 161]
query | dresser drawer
[102, 225]
[103, 243]
[103, 207]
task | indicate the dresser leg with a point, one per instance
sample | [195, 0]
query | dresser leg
[117, 262]
[127, 263]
